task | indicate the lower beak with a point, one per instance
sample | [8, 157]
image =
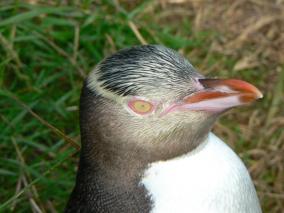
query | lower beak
[221, 94]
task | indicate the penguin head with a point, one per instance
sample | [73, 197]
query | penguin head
[150, 96]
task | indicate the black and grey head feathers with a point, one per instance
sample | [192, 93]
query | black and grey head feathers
[143, 70]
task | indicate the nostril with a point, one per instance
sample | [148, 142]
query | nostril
[197, 84]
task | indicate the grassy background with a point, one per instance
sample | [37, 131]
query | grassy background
[47, 48]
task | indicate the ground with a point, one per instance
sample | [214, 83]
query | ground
[48, 47]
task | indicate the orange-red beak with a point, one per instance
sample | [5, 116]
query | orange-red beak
[221, 94]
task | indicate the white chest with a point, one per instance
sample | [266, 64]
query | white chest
[212, 178]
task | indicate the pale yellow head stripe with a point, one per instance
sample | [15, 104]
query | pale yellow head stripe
[95, 85]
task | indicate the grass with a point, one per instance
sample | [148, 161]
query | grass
[46, 50]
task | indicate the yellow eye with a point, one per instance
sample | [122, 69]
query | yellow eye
[140, 106]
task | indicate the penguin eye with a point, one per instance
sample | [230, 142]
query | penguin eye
[140, 106]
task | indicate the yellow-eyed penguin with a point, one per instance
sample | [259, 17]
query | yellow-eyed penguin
[145, 117]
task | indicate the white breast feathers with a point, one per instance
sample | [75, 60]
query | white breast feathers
[212, 179]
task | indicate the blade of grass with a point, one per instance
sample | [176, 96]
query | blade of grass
[36, 11]
[41, 120]
[76, 42]
[32, 193]
[9, 49]
[16, 196]
[63, 53]
[18, 188]
[135, 30]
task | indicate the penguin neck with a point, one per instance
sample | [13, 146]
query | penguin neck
[117, 172]
[123, 163]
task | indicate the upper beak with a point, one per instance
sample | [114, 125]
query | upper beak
[221, 94]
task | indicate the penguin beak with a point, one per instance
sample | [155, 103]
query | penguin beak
[221, 94]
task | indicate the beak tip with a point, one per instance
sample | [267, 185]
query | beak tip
[258, 94]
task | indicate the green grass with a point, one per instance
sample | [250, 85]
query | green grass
[45, 53]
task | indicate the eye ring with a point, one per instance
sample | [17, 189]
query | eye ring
[140, 106]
